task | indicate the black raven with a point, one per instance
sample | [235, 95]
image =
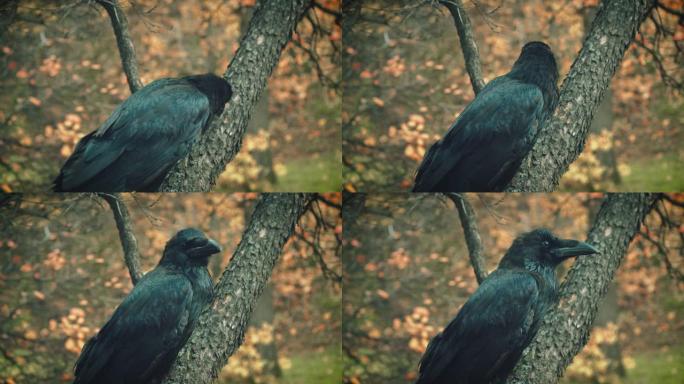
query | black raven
[142, 338]
[484, 148]
[485, 340]
[145, 136]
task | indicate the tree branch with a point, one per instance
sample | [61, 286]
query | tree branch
[129, 244]
[468, 46]
[565, 328]
[471, 233]
[562, 137]
[124, 43]
[221, 327]
[269, 30]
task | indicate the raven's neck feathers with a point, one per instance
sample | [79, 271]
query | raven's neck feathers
[217, 89]
[536, 65]
[515, 259]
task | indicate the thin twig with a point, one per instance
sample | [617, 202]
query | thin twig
[124, 42]
[465, 34]
[128, 240]
[471, 233]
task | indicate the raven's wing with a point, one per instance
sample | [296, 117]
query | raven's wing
[487, 139]
[491, 329]
[143, 335]
[144, 137]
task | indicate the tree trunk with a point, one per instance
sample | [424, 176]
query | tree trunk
[608, 312]
[603, 121]
[259, 122]
[562, 137]
[269, 31]
[565, 329]
[221, 327]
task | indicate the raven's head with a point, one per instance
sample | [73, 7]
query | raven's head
[217, 89]
[537, 65]
[541, 247]
[188, 247]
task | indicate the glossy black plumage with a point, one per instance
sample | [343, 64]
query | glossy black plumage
[485, 340]
[139, 343]
[484, 148]
[145, 136]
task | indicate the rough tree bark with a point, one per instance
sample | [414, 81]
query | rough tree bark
[565, 329]
[259, 121]
[471, 233]
[129, 244]
[562, 138]
[220, 329]
[269, 30]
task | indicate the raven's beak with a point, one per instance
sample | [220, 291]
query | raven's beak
[572, 248]
[207, 249]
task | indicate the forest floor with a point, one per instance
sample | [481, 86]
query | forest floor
[660, 173]
[315, 367]
[322, 172]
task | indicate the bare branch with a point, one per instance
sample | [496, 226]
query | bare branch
[465, 34]
[667, 9]
[128, 240]
[124, 42]
[471, 233]
[675, 274]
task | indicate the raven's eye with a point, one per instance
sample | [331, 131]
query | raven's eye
[545, 243]
[196, 242]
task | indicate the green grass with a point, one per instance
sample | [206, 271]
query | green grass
[655, 175]
[658, 367]
[315, 367]
[320, 174]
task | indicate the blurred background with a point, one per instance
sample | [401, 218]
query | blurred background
[61, 77]
[404, 83]
[407, 273]
[62, 275]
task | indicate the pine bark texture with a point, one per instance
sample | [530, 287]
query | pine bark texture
[565, 329]
[562, 138]
[221, 327]
[269, 31]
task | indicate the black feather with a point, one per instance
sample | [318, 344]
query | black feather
[145, 136]
[485, 340]
[139, 343]
[484, 148]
